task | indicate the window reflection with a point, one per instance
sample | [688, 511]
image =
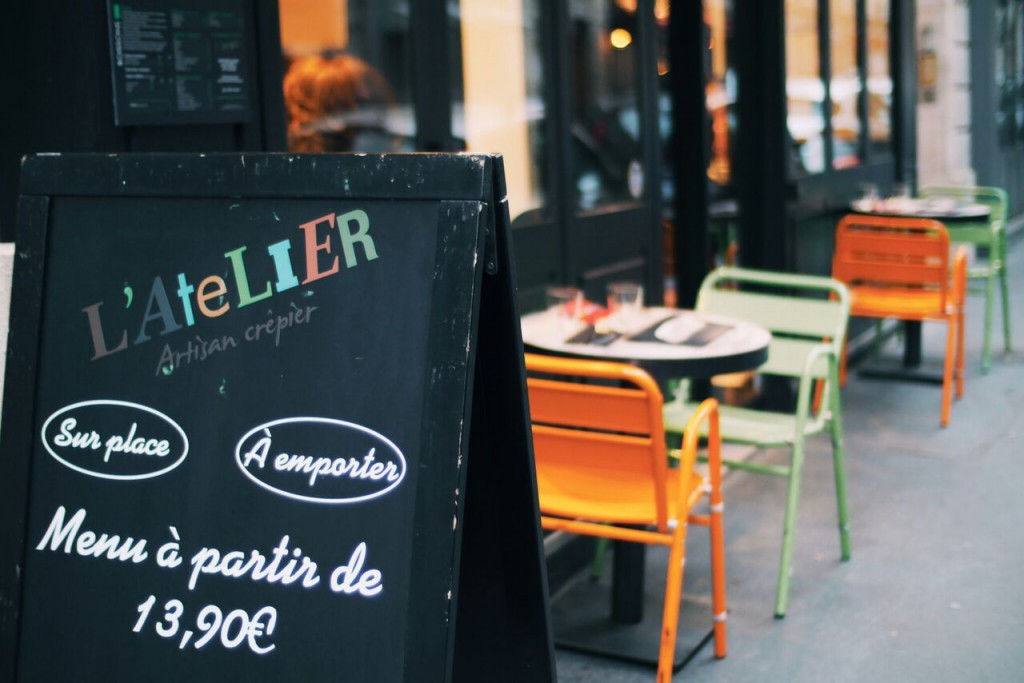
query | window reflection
[605, 113]
[879, 77]
[845, 84]
[666, 131]
[720, 92]
[858, 99]
[805, 90]
[502, 104]
[346, 85]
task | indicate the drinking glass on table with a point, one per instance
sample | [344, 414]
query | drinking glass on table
[565, 303]
[625, 303]
[868, 200]
[868, 195]
[901, 199]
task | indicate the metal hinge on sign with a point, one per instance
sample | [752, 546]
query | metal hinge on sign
[491, 247]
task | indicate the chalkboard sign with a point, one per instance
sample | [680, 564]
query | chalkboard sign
[265, 420]
[179, 61]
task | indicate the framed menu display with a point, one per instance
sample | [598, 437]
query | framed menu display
[265, 419]
[179, 61]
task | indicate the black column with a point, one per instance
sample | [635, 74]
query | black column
[762, 140]
[904, 116]
[689, 147]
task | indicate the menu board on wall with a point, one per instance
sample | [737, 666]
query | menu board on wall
[252, 439]
[179, 61]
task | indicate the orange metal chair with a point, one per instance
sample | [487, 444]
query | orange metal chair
[899, 268]
[603, 467]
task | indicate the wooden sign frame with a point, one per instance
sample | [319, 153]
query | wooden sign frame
[468, 558]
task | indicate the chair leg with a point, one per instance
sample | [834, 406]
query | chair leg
[597, 563]
[947, 369]
[990, 292]
[960, 327]
[718, 598]
[1004, 285]
[839, 467]
[876, 342]
[673, 596]
[842, 363]
[789, 529]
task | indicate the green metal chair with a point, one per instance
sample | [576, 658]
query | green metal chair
[807, 316]
[991, 235]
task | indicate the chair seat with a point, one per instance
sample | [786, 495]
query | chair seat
[885, 302]
[639, 510]
[745, 426]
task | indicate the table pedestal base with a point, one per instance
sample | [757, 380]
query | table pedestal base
[911, 370]
[582, 622]
[880, 369]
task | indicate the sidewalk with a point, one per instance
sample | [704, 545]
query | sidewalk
[935, 588]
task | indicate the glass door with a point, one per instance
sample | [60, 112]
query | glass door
[565, 92]
[613, 231]
[348, 77]
[502, 102]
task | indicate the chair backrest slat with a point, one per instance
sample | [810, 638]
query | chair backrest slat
[885, 244]
[812, 317]
[801, 312]
[597, 441]
[995, 198]
[970, 233]
[896, 253]
[864, 270]
[610, 409]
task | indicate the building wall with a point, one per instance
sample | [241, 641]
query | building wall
[996, 161]
[944, 92]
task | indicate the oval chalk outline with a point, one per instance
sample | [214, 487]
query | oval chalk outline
[312, 499]
[116, 477]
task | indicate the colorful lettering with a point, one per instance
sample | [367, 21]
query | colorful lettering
[320, 247]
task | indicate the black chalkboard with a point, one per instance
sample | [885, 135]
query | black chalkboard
[179, 61]
[265, 420]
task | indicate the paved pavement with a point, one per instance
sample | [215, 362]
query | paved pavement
[935, 588]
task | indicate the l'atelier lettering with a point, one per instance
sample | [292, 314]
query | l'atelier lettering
[211, 299]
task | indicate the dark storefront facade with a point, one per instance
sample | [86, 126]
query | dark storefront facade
[643, 139]
[997, 95]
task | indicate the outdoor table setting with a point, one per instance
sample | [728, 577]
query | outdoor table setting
[667, 342]
[901, 203]
[670, 344]
[949, 210]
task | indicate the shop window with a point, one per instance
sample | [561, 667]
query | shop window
[347, 85]
[720, 91]
[1009, 71]
[838, 83]
[605, 111]
[879, 78]
[499, 100]
[805, 88]
[845, 84]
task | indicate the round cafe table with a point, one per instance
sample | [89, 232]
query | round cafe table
[937, 208]
[668, 343]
